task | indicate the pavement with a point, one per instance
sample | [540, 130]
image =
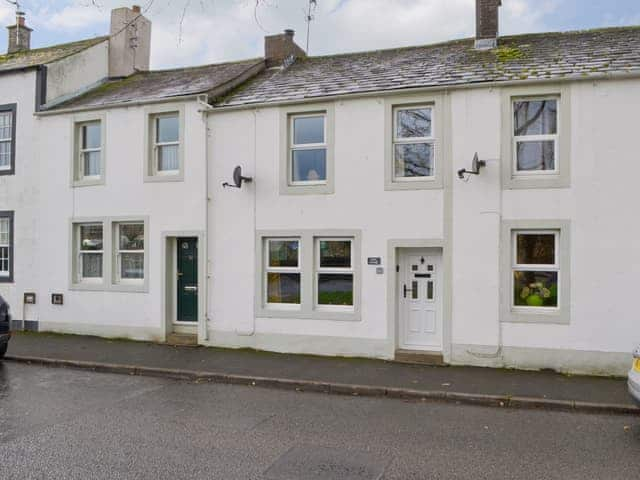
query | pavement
[78, 424]
[346, 376]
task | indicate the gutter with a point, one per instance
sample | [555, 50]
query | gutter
[436, 88]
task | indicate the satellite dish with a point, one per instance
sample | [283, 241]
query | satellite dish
[476, 165]
[237, 178]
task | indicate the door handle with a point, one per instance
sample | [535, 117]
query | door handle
[191, 288]
[404, 290]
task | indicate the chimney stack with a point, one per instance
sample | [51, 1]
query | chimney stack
[129, 42]
[487, 23]
[278, 48]
[19, 35]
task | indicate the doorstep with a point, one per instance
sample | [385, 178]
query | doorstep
[419, 357]
[182, 339]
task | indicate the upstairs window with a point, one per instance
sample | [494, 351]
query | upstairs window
[129, 252]
[166, 144]
[535, 136]
[413, 143]
[90, 150]
[7, 138]
[308, 149]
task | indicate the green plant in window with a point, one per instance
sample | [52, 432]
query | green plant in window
[536, 294]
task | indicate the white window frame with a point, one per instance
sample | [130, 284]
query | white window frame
[555, 267]
[117, 254]
[413, 140]
[155, 145]
[307, 146]
[81, 253]
[536, 138]
[267, 269]
[318, 270]
[6, 217]
[82, 176]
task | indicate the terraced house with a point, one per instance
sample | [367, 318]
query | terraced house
[464, 202]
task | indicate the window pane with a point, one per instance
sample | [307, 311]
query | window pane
[4, 231]
[309, 165]
[91, 164]
[167, 129]
[308, 130]
[536, 249]
[91, 135]
[414, 160]
[335, 254]
[283, 288]
[132, 265]
[132, 236]
[534, 156]
[335, 289]
[536, 117]
[4, 259]
[6, 119]
[5, 154]
[91, 237]
[283, 253]
[168, 158]
[535, 289]
[91, 265]
[411, 123]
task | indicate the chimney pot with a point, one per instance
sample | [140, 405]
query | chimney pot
[136, 9]
[487, 23]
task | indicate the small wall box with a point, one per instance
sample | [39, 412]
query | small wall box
[29, 298]
[57, 299]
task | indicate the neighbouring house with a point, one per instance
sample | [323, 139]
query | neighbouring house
[464, 202]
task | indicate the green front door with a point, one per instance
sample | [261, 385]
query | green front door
[187, 280]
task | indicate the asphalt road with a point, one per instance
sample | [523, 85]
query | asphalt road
[59, 424]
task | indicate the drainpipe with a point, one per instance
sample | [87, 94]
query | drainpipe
[202, 101]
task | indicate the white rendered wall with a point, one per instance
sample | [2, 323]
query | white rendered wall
[605, 254]
[19, 192]
[169, 206]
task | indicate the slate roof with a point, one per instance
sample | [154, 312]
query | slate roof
[42, 56]
[160, 84]
[547, 56]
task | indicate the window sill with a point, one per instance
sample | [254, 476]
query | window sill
[88, 286]
[524, 182]
[307, 189]
[433, 183]
[6, 279]
[340, 316]
[164, 177]
[88, 182]
[7, 171]
[551, 316]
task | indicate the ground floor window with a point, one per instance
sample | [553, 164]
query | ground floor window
[6, 246]
[90, 252]
[309, 274]
[536, 268]
[129, 252]
[282, 271]
[334, 272]
[109, 253]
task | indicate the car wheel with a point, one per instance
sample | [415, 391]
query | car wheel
[3, 349]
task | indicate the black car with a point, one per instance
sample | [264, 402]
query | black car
[5, 323]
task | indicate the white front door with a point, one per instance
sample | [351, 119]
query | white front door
[420, 299]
